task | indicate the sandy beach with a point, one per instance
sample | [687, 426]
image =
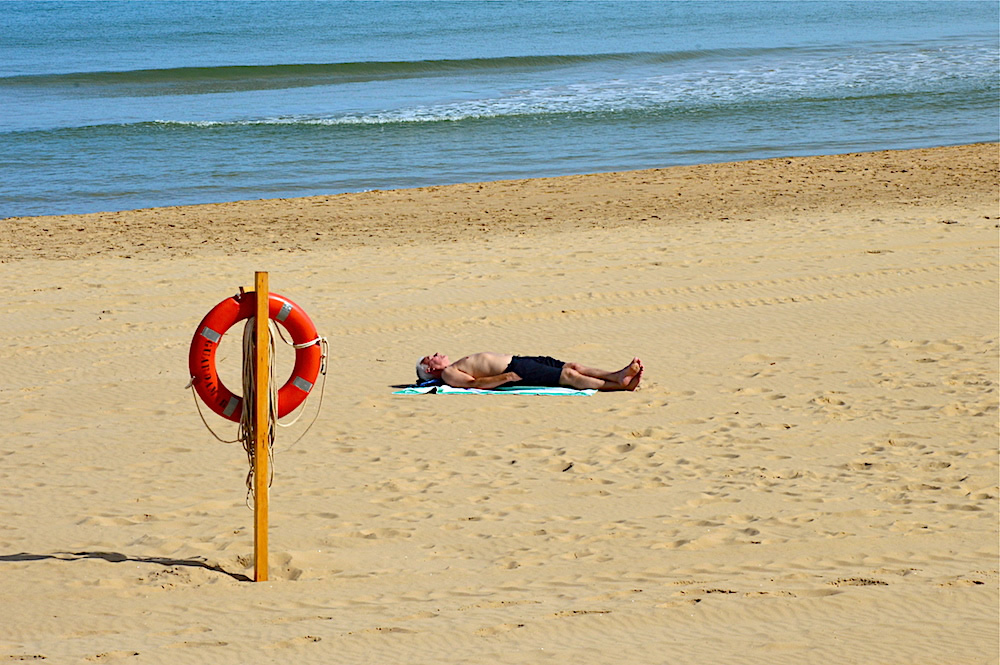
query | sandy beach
[808, 474]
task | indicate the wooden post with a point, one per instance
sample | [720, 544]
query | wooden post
[261, 426]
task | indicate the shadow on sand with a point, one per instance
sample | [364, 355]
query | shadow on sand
[116, 557]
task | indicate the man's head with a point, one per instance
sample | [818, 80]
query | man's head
[429, 367]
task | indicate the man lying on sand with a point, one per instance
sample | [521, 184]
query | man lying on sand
[489, 370]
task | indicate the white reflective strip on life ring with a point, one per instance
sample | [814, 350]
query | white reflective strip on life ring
[302, 384]
[283, 313]
[233, 403]
[211, 335]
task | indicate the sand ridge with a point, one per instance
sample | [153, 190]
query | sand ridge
[808, 474]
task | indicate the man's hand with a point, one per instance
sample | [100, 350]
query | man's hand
[488, 382]
[456, 378]
[512, 377]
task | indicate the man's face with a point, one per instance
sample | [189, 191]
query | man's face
[436, 362]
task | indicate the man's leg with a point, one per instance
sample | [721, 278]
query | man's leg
[578, 376]
[621, 375]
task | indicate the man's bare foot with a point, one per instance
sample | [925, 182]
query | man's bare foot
[627, 375]
[633, 383]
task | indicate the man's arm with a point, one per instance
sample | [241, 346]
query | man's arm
[456, 378]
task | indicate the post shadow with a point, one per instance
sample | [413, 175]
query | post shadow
[117, 557]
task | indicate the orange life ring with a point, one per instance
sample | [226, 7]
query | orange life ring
[201, 358]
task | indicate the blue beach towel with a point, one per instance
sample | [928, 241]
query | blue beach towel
[516, 390]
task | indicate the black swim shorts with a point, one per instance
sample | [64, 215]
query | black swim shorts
[535, 370]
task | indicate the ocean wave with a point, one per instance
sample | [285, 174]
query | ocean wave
[606, 82]
[236, 78]
[724, 85]
[927, 74]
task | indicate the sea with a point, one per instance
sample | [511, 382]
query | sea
[123, 105]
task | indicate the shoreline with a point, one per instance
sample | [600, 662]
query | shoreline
[726, 192]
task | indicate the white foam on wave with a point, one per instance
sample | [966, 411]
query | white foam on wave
[656, 90]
